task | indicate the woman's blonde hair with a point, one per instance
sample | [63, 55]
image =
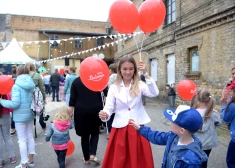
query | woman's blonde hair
[22, 69]
[134, 90]
[64, 114]
[204, 96]
[31, 66]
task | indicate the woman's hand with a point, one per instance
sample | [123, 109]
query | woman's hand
[142, 67]
[134, 124]
[103, 115]
[0, 99]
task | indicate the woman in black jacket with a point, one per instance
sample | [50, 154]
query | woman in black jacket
[86, 105]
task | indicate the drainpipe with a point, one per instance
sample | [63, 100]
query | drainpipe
[49, 49]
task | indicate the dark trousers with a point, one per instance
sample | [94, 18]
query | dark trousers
[61, 154]
[47, 88]
[110, 122]
[55, 91]
[204, 164]
[230, 159]
[12, 123]
[41, 121]
[89, 145]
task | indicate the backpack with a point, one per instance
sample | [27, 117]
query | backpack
[37, 105]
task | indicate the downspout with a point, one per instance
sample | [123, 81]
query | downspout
[49, 50]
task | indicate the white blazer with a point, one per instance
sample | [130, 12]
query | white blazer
[127, 107]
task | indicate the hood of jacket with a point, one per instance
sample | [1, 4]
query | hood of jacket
[192, 153]
[25, 81]
[62, 125]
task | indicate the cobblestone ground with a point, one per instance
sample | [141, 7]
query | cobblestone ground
[46, 157]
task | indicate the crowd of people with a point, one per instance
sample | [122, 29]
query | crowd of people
[121, 104]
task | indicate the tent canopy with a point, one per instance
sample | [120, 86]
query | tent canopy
[13, 54]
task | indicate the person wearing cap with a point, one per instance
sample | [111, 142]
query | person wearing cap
[228, 113]
[183, 149]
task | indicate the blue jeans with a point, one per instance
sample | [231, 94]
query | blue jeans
[230, 159]
[55, 91]
[48, 90]
[61, 157]
[5, 125]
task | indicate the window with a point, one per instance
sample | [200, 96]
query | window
[77, 42]
[100, 42]
[194, 60]
[170, 7]
[54, 37]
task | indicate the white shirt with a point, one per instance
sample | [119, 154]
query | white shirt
[128, 107]
[46, 79]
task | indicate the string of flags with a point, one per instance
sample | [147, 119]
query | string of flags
[4, 44]
[93, 49]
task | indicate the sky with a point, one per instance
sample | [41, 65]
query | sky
[95, 10]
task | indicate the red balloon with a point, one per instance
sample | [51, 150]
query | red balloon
[124, 16]
[6, 84]
[94, 73]
[61, 70]
[151, 15]
[186, 89]
[70, 148]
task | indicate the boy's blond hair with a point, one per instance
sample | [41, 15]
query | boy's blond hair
[64, 114]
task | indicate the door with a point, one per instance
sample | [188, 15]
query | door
[171, 69]
[154, 69]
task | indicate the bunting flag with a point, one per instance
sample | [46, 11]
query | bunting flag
[89, 50]
[4, 44]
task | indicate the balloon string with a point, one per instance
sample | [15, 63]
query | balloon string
[139, 49]
[102, 97]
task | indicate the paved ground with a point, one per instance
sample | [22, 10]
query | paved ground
[46, 157]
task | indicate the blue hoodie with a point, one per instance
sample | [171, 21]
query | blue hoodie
[229, 116]
[21, 99]
[186, 156]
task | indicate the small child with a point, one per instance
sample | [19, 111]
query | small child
[61, 91]
[204, 104]
[59, 131]
[228, 113]
[5, 125]
[183, 149]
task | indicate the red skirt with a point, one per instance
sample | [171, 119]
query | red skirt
[127, 149]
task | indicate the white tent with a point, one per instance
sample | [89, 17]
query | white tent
[13, 54]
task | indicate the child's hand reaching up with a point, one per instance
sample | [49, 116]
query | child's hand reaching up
[134, 124]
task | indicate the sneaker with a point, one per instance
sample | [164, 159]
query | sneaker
[13, 133]
[1, 163]
[12, 160]
[31, 164]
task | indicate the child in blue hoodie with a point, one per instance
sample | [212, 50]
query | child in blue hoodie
[59, 131]
[183, 149]
[228, 112]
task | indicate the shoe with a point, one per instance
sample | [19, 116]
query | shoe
[58, 100]
[12, 160]
[21, 166]
[1, 163]
[95, 160]
[31, 164]
[13, 133]
[53, 100]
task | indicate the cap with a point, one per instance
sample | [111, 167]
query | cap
[185, 117]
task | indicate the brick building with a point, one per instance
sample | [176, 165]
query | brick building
[34, 28]
[196, 41]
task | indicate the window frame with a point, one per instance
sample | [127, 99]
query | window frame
[171, 11]
[77, 41]
[191, 61]
[53, 37]
[98, 41]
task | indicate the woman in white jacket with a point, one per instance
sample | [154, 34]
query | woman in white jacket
[126, 147]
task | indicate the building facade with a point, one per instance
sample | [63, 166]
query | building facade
[196, 41]
[51, 38]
